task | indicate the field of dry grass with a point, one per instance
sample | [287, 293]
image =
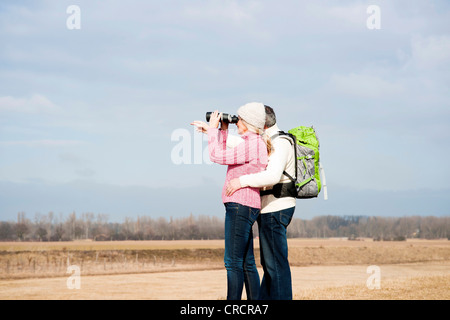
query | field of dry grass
[322, 269]
[51, 259]
[413, 288]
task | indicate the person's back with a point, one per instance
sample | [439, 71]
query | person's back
[282, 159]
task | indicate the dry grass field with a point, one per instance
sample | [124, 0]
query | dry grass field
[321, 269]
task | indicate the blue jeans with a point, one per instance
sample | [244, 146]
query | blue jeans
[276, 283]
[239, 258]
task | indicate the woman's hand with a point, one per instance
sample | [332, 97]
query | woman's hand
[201, 126]
[215, 119]
[233, 186]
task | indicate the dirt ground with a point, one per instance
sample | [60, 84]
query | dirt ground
[316, 282]
[407, 270]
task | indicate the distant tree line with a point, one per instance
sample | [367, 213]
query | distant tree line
[378, 228]
[52, 227]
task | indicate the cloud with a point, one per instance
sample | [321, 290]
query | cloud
[70, 159]
[364, 85]
[85, 172]
[227, 11]
[37, 104]
[352, 17]
[79, 164]
[43, 143]
[430, 52]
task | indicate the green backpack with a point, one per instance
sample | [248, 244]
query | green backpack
[307, 182]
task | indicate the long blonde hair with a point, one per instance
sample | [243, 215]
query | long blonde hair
[266, 140]
[263, 135]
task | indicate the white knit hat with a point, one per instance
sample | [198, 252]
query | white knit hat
[254, 113]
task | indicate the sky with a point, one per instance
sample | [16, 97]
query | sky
[95, 104]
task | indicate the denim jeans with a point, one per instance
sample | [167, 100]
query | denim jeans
[239, 258]
[276, 283]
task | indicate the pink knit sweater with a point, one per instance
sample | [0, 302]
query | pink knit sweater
[248, 157]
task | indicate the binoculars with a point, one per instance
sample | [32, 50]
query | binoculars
[225, 117]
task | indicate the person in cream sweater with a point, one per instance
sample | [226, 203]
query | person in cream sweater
[276, 213]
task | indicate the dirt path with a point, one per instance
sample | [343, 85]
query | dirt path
[211, 284]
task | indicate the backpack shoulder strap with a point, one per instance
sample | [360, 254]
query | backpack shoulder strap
[291, 139]
[283, 134]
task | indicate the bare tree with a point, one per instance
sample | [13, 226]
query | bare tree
[6, 231]
[22, 226]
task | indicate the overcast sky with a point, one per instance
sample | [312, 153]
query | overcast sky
[93, 119]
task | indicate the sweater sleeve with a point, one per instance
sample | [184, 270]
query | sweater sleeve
[274, 170]
[218, 151]
[245, 152]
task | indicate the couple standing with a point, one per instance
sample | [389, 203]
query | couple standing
[255, 161]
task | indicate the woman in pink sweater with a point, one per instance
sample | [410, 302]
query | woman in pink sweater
[243, 206]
